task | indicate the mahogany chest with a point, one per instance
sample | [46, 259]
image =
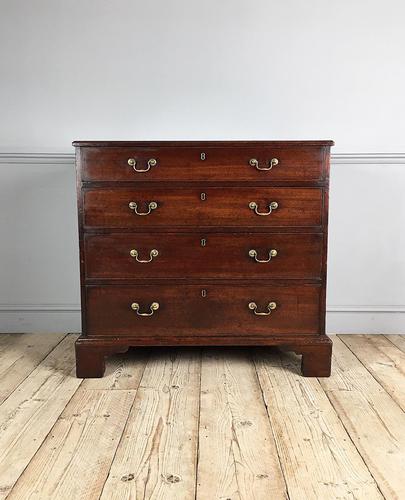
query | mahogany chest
[203, 243]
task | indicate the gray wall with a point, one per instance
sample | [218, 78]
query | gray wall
[201, 70]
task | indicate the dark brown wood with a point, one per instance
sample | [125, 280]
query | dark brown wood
[90, 359]
[216, 255]
[295, 163]
[202, 309]
[201, 300]
[316, 358]
[184, 207]
[181, 144]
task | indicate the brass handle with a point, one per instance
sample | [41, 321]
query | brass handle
[253, 254]
[151, 206]
[270, 307]
[254, 206]
[153, 307]
[254, 163]
[151, 163]
[152, 253]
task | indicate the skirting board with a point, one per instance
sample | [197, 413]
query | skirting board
[378, 319]
[66, 318]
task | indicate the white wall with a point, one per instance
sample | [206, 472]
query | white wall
[201, 70]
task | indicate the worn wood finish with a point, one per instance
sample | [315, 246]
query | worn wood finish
[318, 458]
[383, 360]
[29, 413]
[184, 207]
[20, 354]
[218, 256]
[184, 310]
[398, 341]
[87, 432]
[202, 224]
[61, 437]
[374, 421]
[237, 453]
[157, 455]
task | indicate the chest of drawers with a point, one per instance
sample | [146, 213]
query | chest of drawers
[203, 243]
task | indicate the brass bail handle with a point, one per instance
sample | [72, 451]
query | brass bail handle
[152, 205]
[253, 162]
[135, 254]
[153, 307]
[270, 307]
[254, 206]
[152, 162]
[253, 254]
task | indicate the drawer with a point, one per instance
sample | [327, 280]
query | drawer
[179, 255]
[184, 311]
[204, 207]
[245, 163]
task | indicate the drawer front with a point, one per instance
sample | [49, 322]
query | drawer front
[183, 310]
[179, 255]
[204, 207]
[246, 163]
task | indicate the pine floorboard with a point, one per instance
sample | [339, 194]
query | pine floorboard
[205, 424]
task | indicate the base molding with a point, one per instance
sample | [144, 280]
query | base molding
[91, 352]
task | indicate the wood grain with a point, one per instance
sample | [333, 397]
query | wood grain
[398, 341]
[319, 461]
[183, 310]
[81, 444]
[184, 207]
[28, 414]
[341, 437]
[295, 162]
[156, 457]
[20, 354]
[237, 453]
[374, 421]
[383, 360]
[221, 256]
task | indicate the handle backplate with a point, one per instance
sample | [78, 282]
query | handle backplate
[151, 163]
[152, 205]
[253, 254]
[135, 254]
[253, 162]
[270, 307]
[153, 307]
[254, 206]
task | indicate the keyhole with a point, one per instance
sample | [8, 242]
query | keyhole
[203, 196]
[203, 293]
[203, 242]
[202, 156]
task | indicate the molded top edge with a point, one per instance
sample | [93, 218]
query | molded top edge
[199, 143]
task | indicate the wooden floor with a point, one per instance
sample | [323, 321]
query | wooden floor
[223, 424]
